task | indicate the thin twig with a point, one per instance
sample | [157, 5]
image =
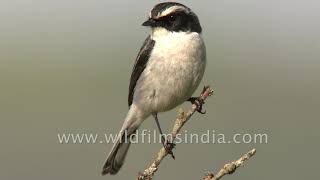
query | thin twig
[231, 167]
[182, 118]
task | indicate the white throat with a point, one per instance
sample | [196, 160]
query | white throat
[159, 33]
[171, 40]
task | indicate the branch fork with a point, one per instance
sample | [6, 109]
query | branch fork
[181, 119]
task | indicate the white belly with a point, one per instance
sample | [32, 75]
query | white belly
[173, 72]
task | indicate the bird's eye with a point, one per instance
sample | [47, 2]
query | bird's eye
[172, 18]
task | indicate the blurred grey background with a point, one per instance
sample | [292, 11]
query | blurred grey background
[65, 65]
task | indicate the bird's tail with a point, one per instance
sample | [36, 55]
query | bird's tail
[120, 148]
[117, 156]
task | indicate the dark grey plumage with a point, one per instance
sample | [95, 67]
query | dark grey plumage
[139, 66]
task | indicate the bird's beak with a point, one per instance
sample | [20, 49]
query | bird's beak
[150, 22]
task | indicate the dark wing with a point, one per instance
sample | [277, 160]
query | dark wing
[139, 66]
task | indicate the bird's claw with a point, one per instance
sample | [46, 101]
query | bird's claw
[169, 146]
[199, 102]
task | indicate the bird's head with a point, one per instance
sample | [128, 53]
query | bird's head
[174, 17]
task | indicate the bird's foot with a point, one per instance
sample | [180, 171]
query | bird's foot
[169, 146]
[198, 101]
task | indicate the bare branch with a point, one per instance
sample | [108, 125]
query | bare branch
[182, 118]
[231, 167]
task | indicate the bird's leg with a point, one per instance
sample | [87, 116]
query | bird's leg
[198, 102]
[167, 144]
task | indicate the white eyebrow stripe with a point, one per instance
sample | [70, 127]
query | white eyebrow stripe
[170, 10]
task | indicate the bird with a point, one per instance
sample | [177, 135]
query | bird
[167, 71]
